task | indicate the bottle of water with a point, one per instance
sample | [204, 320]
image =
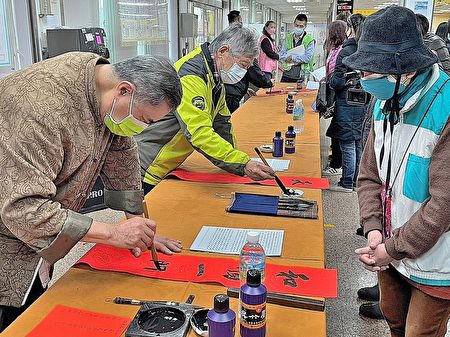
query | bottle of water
[252, 257]
[297, 117]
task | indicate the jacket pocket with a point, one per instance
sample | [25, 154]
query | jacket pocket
[416, 181]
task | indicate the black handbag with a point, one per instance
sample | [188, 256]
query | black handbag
[325, 100]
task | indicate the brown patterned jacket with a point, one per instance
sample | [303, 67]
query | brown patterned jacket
[53, 145]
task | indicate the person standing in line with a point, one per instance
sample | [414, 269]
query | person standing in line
[268, 56]
[347, 120]
[335, 38]
[434, 42]
[403, 181]
[295, 66]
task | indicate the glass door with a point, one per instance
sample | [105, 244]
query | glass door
[136, 27]
[209, 22]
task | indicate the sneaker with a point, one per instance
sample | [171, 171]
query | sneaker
[371, 310]
[340, 188]
[330, 171]
[370, 293]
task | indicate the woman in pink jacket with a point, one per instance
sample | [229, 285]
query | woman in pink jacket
[268, 56]
[333, 45]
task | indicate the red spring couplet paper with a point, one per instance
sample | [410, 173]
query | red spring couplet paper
[223, 178]
[295, 280]
[73, 322]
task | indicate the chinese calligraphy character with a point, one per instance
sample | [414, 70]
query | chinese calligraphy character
[290, 278]
[201, 270]
[232, 274]
[161, 263]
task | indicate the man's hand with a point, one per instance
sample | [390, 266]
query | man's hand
[258, 171]
[136, 234]
[166, 245]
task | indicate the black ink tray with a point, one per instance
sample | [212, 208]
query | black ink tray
[160, 320]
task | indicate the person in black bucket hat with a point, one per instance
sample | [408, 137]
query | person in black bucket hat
[403, 180]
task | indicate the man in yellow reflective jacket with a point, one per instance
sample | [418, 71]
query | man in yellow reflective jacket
[202, 120]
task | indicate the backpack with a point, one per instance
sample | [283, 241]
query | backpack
[325, 100]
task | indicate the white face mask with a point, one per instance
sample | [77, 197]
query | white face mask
[233, 75]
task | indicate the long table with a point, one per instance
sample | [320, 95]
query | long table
[181, 208]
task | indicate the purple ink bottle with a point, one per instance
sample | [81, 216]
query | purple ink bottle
[277, 145]
[289, 146]
[290, 103]
[252, 311]
[221, 319]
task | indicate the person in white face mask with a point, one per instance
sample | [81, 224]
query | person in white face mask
[202, 121]
[253, 79]
[294, 66]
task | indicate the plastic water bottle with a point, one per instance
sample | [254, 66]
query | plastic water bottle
[221, 319]
[252, 257]
[297, 117]
[252, 311]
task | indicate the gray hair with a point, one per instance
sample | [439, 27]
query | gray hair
[242, 41]
[154, 77]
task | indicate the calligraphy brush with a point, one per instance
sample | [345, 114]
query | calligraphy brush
[279, 182]
[152, 248]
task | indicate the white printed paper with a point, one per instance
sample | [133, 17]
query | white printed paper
[276, 164]
[225, 240]
[311, 85]
[319, 73]
[296, 51]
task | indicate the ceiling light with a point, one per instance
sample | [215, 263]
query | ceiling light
[294, 1]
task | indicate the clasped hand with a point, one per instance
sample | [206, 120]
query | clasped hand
[374, 256]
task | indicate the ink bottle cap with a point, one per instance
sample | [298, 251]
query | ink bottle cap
[277, 133]
[291, 128]
[221, 303]
[253, 278]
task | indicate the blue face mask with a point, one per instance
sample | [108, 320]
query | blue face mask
[382, 88]
[298, 31]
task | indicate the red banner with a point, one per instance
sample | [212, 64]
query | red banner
[224, 178]
[293, 280]
[74, 322]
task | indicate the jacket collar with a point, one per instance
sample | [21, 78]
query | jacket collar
[210, 62]
[415, 98]
[267, 34]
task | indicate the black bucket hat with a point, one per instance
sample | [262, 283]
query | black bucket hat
[390, 43]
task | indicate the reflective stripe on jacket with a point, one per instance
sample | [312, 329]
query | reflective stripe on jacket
[201, 122]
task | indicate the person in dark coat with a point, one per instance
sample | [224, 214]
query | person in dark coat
[348, 119]
[235, 92]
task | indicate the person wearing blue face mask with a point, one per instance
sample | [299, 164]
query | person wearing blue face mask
[202, 121]
[296, 65]
[403, 185]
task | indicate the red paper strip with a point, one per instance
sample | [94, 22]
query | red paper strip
[74, 322]
[294, 280]
[224, 178]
